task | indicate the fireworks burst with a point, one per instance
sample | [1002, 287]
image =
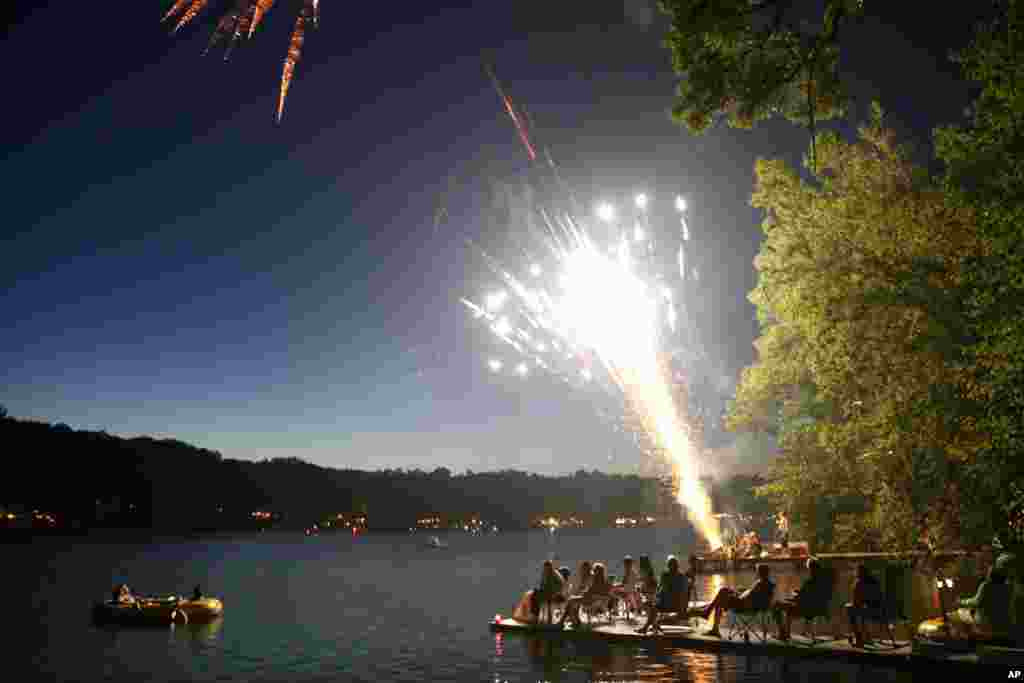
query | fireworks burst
[606, 313]
[240, 23]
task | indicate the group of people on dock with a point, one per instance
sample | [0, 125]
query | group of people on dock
[642, 592]
[590, 588]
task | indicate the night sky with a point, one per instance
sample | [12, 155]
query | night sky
[174, 264]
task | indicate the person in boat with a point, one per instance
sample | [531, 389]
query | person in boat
[598, 590]
[867, 603]
[757, 597]
[804, 600]
[673, 595]
[989, 609]
[197, 593]
[122, 595]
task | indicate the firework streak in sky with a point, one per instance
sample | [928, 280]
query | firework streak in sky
[240, 23]
[604, 312]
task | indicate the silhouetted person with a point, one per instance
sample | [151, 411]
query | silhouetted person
[804, 600]
[758, 596]
[197, 593]
[673, 595]
[867, 603]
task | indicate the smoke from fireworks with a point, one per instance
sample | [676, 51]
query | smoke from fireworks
[240, 22]
[603, 313]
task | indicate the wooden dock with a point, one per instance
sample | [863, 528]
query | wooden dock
[905, 653]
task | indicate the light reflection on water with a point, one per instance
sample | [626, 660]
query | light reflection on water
[336, 608]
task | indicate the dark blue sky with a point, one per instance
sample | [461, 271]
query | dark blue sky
[173, 263]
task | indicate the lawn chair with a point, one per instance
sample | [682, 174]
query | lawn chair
[744, 622]
[891, 613]
[599, 605]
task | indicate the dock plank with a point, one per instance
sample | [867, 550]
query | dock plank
[798, 646]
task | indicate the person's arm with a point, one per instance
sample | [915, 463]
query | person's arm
[980, 599]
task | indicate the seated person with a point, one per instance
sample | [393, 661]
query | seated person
[673, 595]
[757, 597]
[581, 581]
[867, 603]
[646, 578]
[197, 593]
[626, 591]
[551, 586]
[805, 600]
[123, 594]
[598, 591]
[566, 574]
[989, 610]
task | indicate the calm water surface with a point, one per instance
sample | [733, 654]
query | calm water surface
[376, 607]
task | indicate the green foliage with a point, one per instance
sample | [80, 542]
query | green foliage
[746, 61]
[985, 172]
[860, 359]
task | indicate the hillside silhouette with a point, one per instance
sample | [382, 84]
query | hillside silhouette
[76, 479]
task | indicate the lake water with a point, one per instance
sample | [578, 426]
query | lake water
[376, 607]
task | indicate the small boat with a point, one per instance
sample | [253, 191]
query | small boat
[144, 611]
[158, 611]
[201, 611]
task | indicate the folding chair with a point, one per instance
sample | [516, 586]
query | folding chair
[598, 605]
[810, 617]
[744, 622]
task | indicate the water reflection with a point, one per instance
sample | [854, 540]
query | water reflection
[553, 660]
[199, 637]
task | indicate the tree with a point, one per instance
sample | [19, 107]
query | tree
[860, 358]
[747, 60]
[985, 172]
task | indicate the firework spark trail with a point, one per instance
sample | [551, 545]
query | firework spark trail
[517, 119]
[239, 24]
[308, 13]
[175, 8]
[260, 9]
[603, 323]
[191, 13]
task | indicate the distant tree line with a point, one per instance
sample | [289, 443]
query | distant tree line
[93, 479]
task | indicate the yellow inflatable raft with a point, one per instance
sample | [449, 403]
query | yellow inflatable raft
[147, 611]
[153, 611]
[202, 610]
